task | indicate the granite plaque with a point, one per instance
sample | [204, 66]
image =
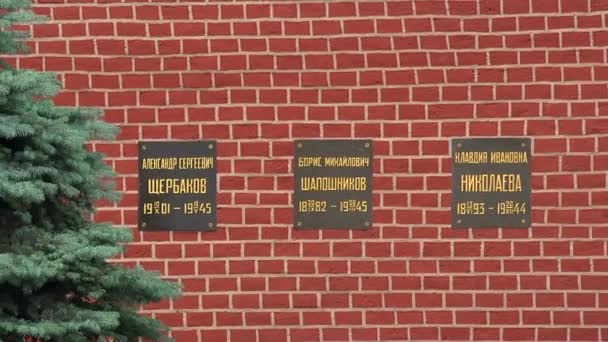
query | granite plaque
[177, 185]
[333, 184]
[491, 183]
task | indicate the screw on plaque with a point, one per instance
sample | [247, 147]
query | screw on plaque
[210, 224]
[299, 145]
[144, 147]
[367, 223]
[143, 224]
[299, 224]
[210, 146]
[366, 144]
[459, 221]
[459, 145]
[523, 144]
[523, 220]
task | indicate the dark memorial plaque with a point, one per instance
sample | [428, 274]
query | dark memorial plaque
[177, 185]
[491, 183]
[333, 184]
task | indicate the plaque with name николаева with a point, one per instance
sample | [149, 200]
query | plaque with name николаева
[177, 185]
[333, 184]
[491, 183]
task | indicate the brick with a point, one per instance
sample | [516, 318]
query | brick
[243, 335]
[588, 334]
[358, 26]
[214, 335]
[569, 6]
[249, 29]
[424, 333]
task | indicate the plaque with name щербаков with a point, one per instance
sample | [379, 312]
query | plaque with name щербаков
[333, 184]
[177, 185]
[491, 183]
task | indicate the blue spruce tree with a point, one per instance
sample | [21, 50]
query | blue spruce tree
[55, 282]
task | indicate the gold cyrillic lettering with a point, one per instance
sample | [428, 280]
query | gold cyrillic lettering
[471, 157]
[509, 157]
[346, 161]
[158, 163]
[490, 183]
[309, 161]
[198, 163]
[177, 186]
[333, 183]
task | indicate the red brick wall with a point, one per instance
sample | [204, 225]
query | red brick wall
[410, 75]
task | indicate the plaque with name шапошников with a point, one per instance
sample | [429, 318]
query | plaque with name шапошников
[491, 183]
[177, 185]
[333, 184]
